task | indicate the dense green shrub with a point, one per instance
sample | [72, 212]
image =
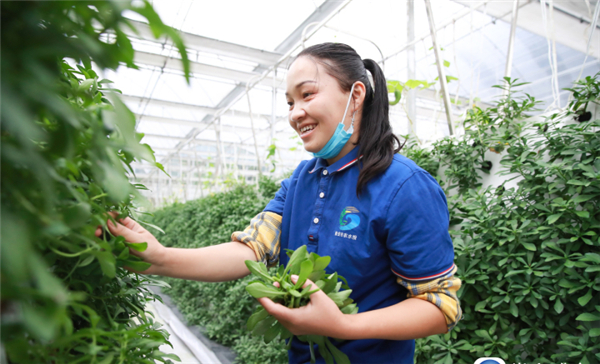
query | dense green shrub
[66, 142]
[221, 308]
[527, 256]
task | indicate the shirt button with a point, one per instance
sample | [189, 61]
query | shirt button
[316, 220]
[325, 172]
[321, 194]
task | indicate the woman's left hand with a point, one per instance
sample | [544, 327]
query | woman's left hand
[320, 316]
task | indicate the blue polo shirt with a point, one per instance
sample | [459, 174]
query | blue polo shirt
[398, 227]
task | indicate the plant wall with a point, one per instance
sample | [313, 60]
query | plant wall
[67, 145]
[528, 256]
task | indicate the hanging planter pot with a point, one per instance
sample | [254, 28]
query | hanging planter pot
[584, 116]
[487, 166]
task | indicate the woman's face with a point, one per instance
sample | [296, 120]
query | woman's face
[317, 104]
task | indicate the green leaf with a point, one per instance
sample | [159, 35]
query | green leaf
[322, 263]
[259, 290]
[514, 310]
[558, 306]
[594, 332]
[297, 257]
[259, 269]
[137, 266]
[107, 263]
[77, 215]
[339, 297]
[582, 198]
[591, 257]
[583, 300]
[263, 326]
[140, 247]
[588, 317]
[446, 63]
[273, 332]
[338, 355]
[305, 269]
[529, 246]
[259, 315]
[552, 219]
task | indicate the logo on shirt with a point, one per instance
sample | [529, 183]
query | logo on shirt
[489, 361]
[349, 218]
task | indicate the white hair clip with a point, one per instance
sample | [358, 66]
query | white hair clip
[370, 78]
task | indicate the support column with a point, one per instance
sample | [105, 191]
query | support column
[274, 106]
[411, 100]
[219, 164]
[511, 42]
[440, 67]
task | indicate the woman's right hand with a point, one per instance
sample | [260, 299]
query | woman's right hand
[135, 233]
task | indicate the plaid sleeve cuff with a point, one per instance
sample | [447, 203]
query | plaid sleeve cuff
[440, 291]
[262, 235]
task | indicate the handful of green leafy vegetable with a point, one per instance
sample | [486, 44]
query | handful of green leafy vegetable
[305, 266]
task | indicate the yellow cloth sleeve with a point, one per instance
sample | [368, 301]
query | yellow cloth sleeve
[262, 235]
[441, 292]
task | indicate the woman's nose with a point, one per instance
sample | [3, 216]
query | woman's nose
[297, 114]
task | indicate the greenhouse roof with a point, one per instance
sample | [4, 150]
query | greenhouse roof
[240, 51]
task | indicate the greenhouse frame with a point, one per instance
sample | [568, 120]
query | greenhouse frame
[231, 121]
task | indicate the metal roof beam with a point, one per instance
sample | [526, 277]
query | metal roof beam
[191, 107]
[223, 127]
[198, 141]
[211, 45]
[197, 68]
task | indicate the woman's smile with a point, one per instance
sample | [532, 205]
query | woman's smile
[306, 131]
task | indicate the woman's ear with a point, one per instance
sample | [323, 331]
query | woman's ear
[359, 94]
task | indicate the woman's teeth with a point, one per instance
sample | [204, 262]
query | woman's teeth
[307, 128]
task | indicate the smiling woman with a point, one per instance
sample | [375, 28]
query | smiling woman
[382, 219]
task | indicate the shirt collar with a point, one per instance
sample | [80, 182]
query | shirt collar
[348, 160]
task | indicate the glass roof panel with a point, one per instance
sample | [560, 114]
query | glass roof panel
[251, 23]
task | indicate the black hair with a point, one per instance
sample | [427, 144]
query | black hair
[378, 144]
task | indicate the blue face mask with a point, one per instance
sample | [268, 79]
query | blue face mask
[339, 137]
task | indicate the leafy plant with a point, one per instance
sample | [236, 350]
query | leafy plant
[527, 256]
[305, 266]
[67, 145]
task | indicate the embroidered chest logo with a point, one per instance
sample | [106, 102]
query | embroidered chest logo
[349, 219]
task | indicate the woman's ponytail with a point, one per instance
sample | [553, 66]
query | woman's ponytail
[378, 144]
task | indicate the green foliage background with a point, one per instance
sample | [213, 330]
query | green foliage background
[528, 257]
[221, 308]
[67, 145]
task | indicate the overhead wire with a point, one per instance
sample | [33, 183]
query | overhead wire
[591, 28]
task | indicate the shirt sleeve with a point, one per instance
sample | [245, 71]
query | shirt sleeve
[420, 246]
[264, 232]
[263, 237]
[442, 292]
[416, 229]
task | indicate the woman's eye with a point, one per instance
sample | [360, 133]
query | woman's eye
[306, 94]
[290, 104]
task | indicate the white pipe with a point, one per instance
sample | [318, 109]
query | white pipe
[440, 66]
[511, 42]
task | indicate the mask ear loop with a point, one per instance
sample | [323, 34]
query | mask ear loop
[351, 128]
